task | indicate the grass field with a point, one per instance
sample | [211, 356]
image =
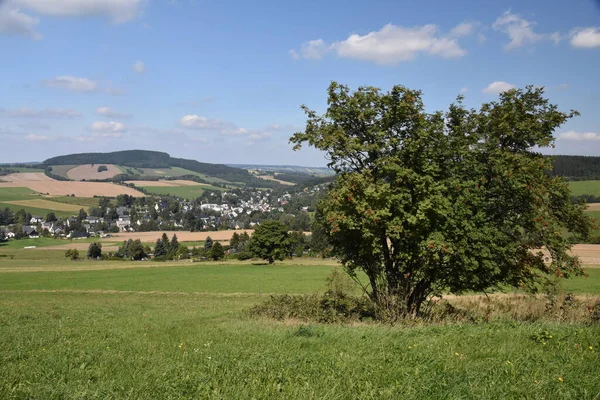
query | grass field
[180, 331]
[579, 188]
[84, 202]
[23, 169]
[61, 170]
[17, 198]
[16, 193]
[186, 192]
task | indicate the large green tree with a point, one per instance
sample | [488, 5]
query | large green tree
[428, 203]
[270, 241]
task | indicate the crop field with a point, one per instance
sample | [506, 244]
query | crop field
[84, 329]
[16, 198]
[90, 171]
[274, 178]
[84, 202]
[41, 183]
[579, 188]
[176, 182]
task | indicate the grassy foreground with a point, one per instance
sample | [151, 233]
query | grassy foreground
[144, 332]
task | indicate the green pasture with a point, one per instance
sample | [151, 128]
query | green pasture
[17, 193]
[181, 331]
[25, 169]
[185, 192]
[85, 202]
[580, 188]
[61, 170]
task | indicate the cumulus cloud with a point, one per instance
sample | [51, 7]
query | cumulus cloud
[585, 37]
[26, 112]
[193, 121]
[117, 11]
[520, 31]
[110, 113]
[572, 135]
[139, 67]
[14, 22]
[464, 90]
[391, 45]
[498, 87]
[196, 122]
[72, 83]
[107, 127]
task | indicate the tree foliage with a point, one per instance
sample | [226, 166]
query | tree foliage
[72, 254]
[94, 250]
[428, 203]
[270, 241]
[217, 252]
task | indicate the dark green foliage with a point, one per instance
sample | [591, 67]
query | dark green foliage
[102, 168]
[51, 217]
[174, 245]
[270, 241]
[7, 217]
[94, 250]
[208, 243]
[132, 250]
[576, 167]
[446, 202]
[72, 254]
[216, 252]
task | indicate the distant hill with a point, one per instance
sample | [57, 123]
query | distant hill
[286, 169]
[136, 160]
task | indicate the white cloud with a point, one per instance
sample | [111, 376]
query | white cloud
[391, 44]
[294, 54]
[110, 113]
[198, 122]
[498, 87]
[464, 90]
[72, 83]
[14, 22]
[107, 127]
[117, 11]
[26, 112]
[572, 135]
[462, 30]
[585, 37]
[519, 30]
[139, 67]
[37, 138]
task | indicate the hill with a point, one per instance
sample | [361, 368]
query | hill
[135, 165]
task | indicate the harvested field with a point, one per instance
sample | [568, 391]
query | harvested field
[182, 236]
[177, 182]
[43, 184]
[51, 205]
[273, 178]
[593, 207]
[90, 171]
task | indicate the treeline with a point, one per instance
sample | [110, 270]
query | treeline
[576, 167]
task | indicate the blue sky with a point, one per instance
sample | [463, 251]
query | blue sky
[223, 81]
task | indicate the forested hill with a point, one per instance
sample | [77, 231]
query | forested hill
[576, 167]
[156, 159]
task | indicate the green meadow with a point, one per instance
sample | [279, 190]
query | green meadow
[180, 330]
[580, 188]
[185, 192]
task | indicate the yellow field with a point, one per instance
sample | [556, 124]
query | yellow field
[50, 205]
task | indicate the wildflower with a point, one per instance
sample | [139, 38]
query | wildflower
[409, 347]
[508, 362]
[591, 348]
[560, 379]
[456, 354]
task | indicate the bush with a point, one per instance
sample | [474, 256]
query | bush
[102, 168]
[73, 254]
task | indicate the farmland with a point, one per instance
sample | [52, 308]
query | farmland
[41, 183]
[16, 198]
[180, 330]
[90, 171]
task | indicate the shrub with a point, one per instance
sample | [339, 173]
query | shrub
[73, 254]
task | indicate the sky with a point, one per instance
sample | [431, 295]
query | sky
[223, 81]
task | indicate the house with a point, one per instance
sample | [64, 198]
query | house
[71, 221]
[46, 225]
[36, 220]
[30, 231]
[78, 235]
[124, 224]
[94, 220]
[7, 233]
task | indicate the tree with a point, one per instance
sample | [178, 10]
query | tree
[94, 250]
[208, 243]
[234, 242]
[82, 215]
[453, 201]
[73, 254]
[159, 248]
[51, 217]
[216, 252]
[270, 241]
[174, 245]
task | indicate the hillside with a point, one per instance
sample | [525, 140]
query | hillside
[133, 163]
[577, 167]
